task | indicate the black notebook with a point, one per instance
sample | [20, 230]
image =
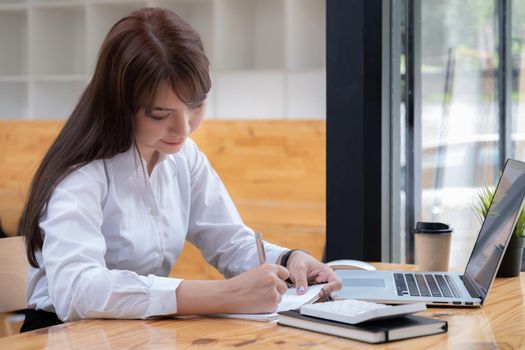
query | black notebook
[380, 331]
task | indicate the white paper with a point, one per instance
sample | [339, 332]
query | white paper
[290, 301]
[293, 301]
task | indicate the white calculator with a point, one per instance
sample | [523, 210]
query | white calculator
[355, 311]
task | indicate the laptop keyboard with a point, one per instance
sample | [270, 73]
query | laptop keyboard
[453, 287]
[425, 285]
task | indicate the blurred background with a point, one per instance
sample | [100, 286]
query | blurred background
[460, 108]
[268, 61]
[267, 56]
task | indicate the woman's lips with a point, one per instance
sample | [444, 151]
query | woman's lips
[174, 142]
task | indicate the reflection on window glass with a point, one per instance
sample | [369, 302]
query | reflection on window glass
[518, 78]
[402, 136]
[459, 113]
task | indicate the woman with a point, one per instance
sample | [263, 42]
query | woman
[123, 186]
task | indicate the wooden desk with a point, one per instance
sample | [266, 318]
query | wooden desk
[500, 323]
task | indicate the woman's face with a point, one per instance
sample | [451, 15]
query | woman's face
[167, 125]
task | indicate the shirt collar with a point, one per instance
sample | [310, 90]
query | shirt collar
[130, 162]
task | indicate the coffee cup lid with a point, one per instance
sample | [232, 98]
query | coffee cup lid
[432, 227]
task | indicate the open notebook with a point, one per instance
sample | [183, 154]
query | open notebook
[290, 301]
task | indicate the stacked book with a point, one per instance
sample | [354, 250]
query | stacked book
[379, 324]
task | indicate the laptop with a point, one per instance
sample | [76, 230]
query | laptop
[448, 288]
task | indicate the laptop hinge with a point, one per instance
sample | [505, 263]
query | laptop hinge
[470, 287]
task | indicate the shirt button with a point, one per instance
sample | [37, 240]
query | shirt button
[153, 211]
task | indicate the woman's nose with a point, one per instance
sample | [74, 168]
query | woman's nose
[180, 125]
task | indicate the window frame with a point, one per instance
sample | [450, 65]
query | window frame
[412, 93]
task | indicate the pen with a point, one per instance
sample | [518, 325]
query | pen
[260, 248]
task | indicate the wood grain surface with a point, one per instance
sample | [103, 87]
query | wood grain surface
[499, 324]
[274, 171]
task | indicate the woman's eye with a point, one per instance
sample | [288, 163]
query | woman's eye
[158, 117]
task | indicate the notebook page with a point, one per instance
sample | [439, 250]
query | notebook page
[290, 301]
[293, 301]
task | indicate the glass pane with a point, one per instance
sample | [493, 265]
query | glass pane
[459, 65]
[518, 79]
[403, 232]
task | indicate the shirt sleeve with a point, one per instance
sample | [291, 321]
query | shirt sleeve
[80, 285]
[215, 225]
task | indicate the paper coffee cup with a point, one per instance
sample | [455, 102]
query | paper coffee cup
[432, 246]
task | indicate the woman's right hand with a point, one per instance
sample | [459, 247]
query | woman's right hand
[258, 290]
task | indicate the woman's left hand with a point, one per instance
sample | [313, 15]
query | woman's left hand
[305, 269]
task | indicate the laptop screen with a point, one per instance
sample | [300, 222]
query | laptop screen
[497, 228]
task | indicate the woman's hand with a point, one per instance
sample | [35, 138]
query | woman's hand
[257, 290]
[305, 269]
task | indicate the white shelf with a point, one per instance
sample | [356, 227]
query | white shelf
[57, 40]
[55, 3]
[267, 57]
[250, 95]
[211, 99]
[100, 18]
[55, 99]
[12, 5]
[59, 78]
[306, 33]
[13, 42]
[13, 99]
[13, 78]
[250, 34]
[8, 2]
[306, 94]
[198, 14]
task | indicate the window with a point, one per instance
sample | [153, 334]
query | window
[453, 111]
[518, 78]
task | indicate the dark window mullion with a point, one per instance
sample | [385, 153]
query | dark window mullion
[396, 8]
[504, 80]
[354, 142]
[386, 145]
[413, 128]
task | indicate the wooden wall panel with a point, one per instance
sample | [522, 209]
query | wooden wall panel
[22, 146]
[191, 264]
[274, 171]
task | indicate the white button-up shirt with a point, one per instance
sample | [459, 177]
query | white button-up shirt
[112, 233]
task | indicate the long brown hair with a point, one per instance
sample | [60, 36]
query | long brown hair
[148, 47]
